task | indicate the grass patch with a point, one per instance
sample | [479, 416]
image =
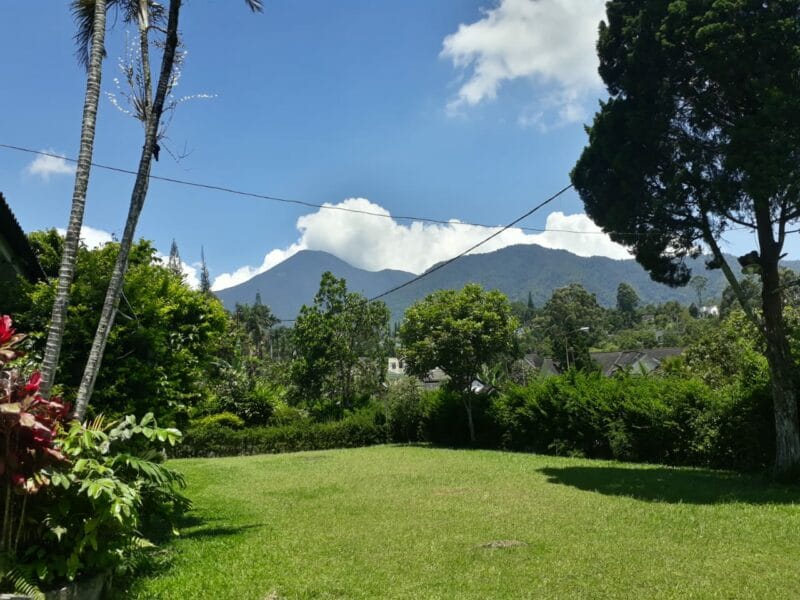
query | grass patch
[414, 522]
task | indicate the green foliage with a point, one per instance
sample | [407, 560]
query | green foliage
[671, 420]
[257, 321]
[342, 344]
[404, 409]
[224, 419]
[573, 322]
[359, 429]
[458, 331]
[627, 303]
[163, 343]
[115, 489]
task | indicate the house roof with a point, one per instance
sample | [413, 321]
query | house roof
[611, 362]
[16, 239]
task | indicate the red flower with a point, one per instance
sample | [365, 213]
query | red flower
[6, 331]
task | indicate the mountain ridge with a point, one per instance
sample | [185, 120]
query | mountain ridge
[514, 270]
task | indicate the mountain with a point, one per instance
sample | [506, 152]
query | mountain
[514, 270]
[295, 281]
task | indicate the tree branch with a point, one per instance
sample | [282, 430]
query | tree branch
[729, 274]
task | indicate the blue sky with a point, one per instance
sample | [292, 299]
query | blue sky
[465, 109]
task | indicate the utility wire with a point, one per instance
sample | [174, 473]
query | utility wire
[237, 192]
[442, 265]
[474, 246]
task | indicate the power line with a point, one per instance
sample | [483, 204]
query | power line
[460, 255]
[474, 246]
[233, 191]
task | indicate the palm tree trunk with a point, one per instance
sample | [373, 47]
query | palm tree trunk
[66, 271]
[137, 202]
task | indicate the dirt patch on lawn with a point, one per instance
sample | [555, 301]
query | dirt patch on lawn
[452, 491]
[495, 544]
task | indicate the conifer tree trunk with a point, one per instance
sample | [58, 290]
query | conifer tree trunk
[66, 272]
[138, 197]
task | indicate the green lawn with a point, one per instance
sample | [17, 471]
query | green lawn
[413, 522]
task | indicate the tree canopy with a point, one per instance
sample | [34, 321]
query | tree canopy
[700, 135]
[165, 342]
[341, 344]
[458, 331]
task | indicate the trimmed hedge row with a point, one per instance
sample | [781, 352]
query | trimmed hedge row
[217, 440]
[670, 420]
[666, 420]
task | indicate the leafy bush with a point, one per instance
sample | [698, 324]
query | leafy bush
[115, 488]
[77, 498]
[405, 410]
[223, 419]
[357, 430]
[671, 420]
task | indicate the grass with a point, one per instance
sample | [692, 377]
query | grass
[414, 522]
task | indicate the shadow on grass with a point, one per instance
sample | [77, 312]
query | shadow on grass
[220, 531]
[663, 484]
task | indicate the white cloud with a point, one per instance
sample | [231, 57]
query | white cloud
[242, 274]
[375, 243]
[93, 238]
[550, 42]
[191, 273]
[45, 166]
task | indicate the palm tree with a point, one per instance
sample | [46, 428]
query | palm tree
[91, 17]
[151, 111]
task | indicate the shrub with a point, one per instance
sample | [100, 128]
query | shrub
[357, 430]
[77, 498]
[404, 410]
[223, 419]
[671, 420]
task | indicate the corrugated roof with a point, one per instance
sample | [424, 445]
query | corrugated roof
[11, 231]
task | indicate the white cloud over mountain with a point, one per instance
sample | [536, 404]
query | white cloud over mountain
[375, 243]
[47, 166]
[549, 42]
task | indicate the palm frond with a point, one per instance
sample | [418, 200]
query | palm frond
[255, 5]
[83, 13]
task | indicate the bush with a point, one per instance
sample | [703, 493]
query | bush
[77, 497]
[223, 419]
[405, 411]
[357, 430]
[670, 420]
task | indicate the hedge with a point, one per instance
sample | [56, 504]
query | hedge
[216, 440]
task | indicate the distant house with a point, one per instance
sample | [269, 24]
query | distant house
[16, 255]
[639, 362]
[435, 379]
[542, 365]
[432, 379]
[642, 361]
[395, 367]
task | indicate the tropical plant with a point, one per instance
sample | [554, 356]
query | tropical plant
[91, 16]
[115, 485]
[150, 113]
[28, 453]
